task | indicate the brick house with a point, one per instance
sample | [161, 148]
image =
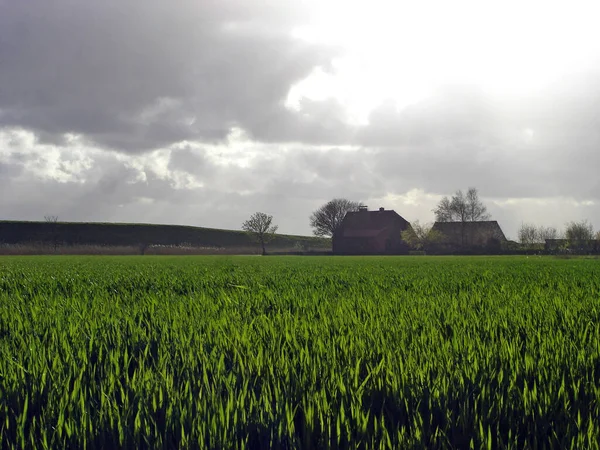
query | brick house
[469, 235]
[367, 232]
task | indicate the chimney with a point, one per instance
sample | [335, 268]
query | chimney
[382, 209]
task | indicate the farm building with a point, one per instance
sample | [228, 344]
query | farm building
[469, 235]
[367, 232]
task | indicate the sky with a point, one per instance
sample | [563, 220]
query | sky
[203, 112]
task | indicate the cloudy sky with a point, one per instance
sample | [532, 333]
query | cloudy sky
[202, 112]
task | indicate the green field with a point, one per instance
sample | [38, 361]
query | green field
[299, 352]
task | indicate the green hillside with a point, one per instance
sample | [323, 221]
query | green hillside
[129, 234]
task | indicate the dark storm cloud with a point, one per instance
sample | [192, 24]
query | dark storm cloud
[136, 75]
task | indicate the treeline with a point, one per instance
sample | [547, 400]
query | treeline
[577, 237]
[530, 234]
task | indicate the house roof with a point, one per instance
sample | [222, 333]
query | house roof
[369, 223]
[475, 231]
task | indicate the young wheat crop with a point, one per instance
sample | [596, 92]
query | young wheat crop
[288, 352]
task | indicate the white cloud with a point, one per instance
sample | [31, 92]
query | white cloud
[63, 164]
[404, 50]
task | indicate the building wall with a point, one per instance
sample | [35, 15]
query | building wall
[351, 246]
[469, 234]
[387, 242]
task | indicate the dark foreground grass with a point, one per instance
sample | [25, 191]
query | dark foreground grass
[291, 352]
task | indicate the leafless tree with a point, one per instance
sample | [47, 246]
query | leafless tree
[444, 211]
[598, 236]
[578, 236]
[461, 208]
[476, 210]
[419, 236]
[527, 234]
[544, 233]
[53, 220]
[328, 218]
[530, 234]
[579, 231]
[260, 227]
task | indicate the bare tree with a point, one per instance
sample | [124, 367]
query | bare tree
[528, 234]
[260, 227]
[443, 211]
[327, 219]
[53, 220]
[578, 236]
[461, 208]
[579, 231]
[544, 233]
[420, 236]
[476, 210]
[598, 236]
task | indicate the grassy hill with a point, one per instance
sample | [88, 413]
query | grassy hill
[74, 234]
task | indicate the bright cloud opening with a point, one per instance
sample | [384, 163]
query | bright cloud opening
[404, 50]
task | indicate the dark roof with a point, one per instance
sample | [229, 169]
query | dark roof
[369, 223]
[475, 232]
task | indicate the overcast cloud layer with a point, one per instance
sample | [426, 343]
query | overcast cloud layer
[141, 111]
